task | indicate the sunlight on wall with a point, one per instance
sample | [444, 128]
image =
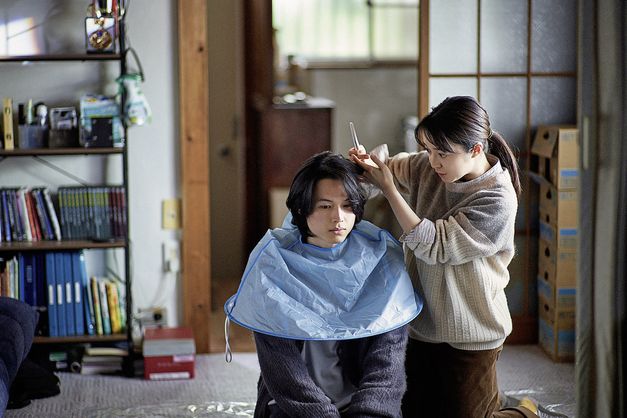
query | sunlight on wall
[20, 37]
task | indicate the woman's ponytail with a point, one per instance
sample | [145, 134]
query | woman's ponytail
[499, 148]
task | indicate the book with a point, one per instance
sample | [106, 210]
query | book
[5, 217]
[104, 308]
[90, 315]
[52, 214]
[32, 216]
[114, 306]
[7, 112]
[23, 211]
[95, 297]
[105, 351]
[40, 209]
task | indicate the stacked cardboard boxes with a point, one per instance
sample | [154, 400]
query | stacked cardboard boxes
[558, 151]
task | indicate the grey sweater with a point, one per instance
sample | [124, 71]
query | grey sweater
[458, 254]
[374, 365]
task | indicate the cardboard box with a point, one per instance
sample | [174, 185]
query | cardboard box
[169, 367]
[558, 342]
[556, 304]
[563, 239]
[555, 266]
[558, 207]
[558, 150]
[169, 353]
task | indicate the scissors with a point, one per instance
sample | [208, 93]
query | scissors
[356, 143]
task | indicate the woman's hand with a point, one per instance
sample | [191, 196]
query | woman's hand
[375, 170]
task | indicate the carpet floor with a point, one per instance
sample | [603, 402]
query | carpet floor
[227, 390]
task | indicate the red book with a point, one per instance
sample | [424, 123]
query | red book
[32, 216]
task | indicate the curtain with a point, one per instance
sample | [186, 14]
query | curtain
[600, 358]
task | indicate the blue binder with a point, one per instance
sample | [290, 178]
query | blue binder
[51, 286]
[21, 278]
[30, 286]
[79, 288]
[60, 281]
[69, 293]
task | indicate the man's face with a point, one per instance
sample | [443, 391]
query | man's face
[332, 218]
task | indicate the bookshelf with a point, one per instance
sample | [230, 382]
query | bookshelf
[31, 156]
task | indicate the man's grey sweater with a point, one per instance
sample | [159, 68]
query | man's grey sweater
[374, 365]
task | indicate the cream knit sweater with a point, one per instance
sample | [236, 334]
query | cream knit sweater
[458, 255]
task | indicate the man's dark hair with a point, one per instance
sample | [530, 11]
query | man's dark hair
[324, 165]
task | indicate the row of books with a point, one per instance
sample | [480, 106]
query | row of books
[97, 213]
[94, 213]
[28, 215]
[70, 303]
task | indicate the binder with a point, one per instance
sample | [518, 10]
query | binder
[69, 293]
[21, 277]
[29, 269]
[52, 294]
[77, 281]
[60, 281]
[39, 273]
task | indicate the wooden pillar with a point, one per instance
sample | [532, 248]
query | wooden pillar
[194, 144]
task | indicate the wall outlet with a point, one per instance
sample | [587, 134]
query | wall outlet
[171, 256]
[171, 214]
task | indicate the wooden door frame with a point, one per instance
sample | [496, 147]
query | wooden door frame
[193, 59]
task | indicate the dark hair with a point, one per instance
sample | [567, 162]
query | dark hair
[324, 165]
[462, 120]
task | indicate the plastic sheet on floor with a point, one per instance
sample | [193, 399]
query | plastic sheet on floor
[553, 410]
[213, 409]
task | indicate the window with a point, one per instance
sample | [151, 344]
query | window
[347, 30]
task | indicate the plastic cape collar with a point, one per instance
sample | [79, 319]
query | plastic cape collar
[356, 289]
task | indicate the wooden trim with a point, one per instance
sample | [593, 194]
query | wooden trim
[194, 143]
[423, 59]
[528, 271]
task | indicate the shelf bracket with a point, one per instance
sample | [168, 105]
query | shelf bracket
[61, 171]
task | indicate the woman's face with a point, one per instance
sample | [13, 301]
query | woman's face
[451, 166]
[332, 218]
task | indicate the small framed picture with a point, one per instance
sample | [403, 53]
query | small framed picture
[100, 34]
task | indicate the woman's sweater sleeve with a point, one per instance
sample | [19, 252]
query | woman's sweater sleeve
[285, 375]
[382, 385]
[482, 228]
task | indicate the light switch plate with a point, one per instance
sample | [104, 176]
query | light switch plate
[171, 214]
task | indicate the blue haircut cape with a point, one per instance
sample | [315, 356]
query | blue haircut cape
[296, 290]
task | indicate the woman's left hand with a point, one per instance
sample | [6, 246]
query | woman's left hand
[380, 176]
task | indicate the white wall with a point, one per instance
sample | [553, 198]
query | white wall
[153, 148]
[376, 100]
[154, 153]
